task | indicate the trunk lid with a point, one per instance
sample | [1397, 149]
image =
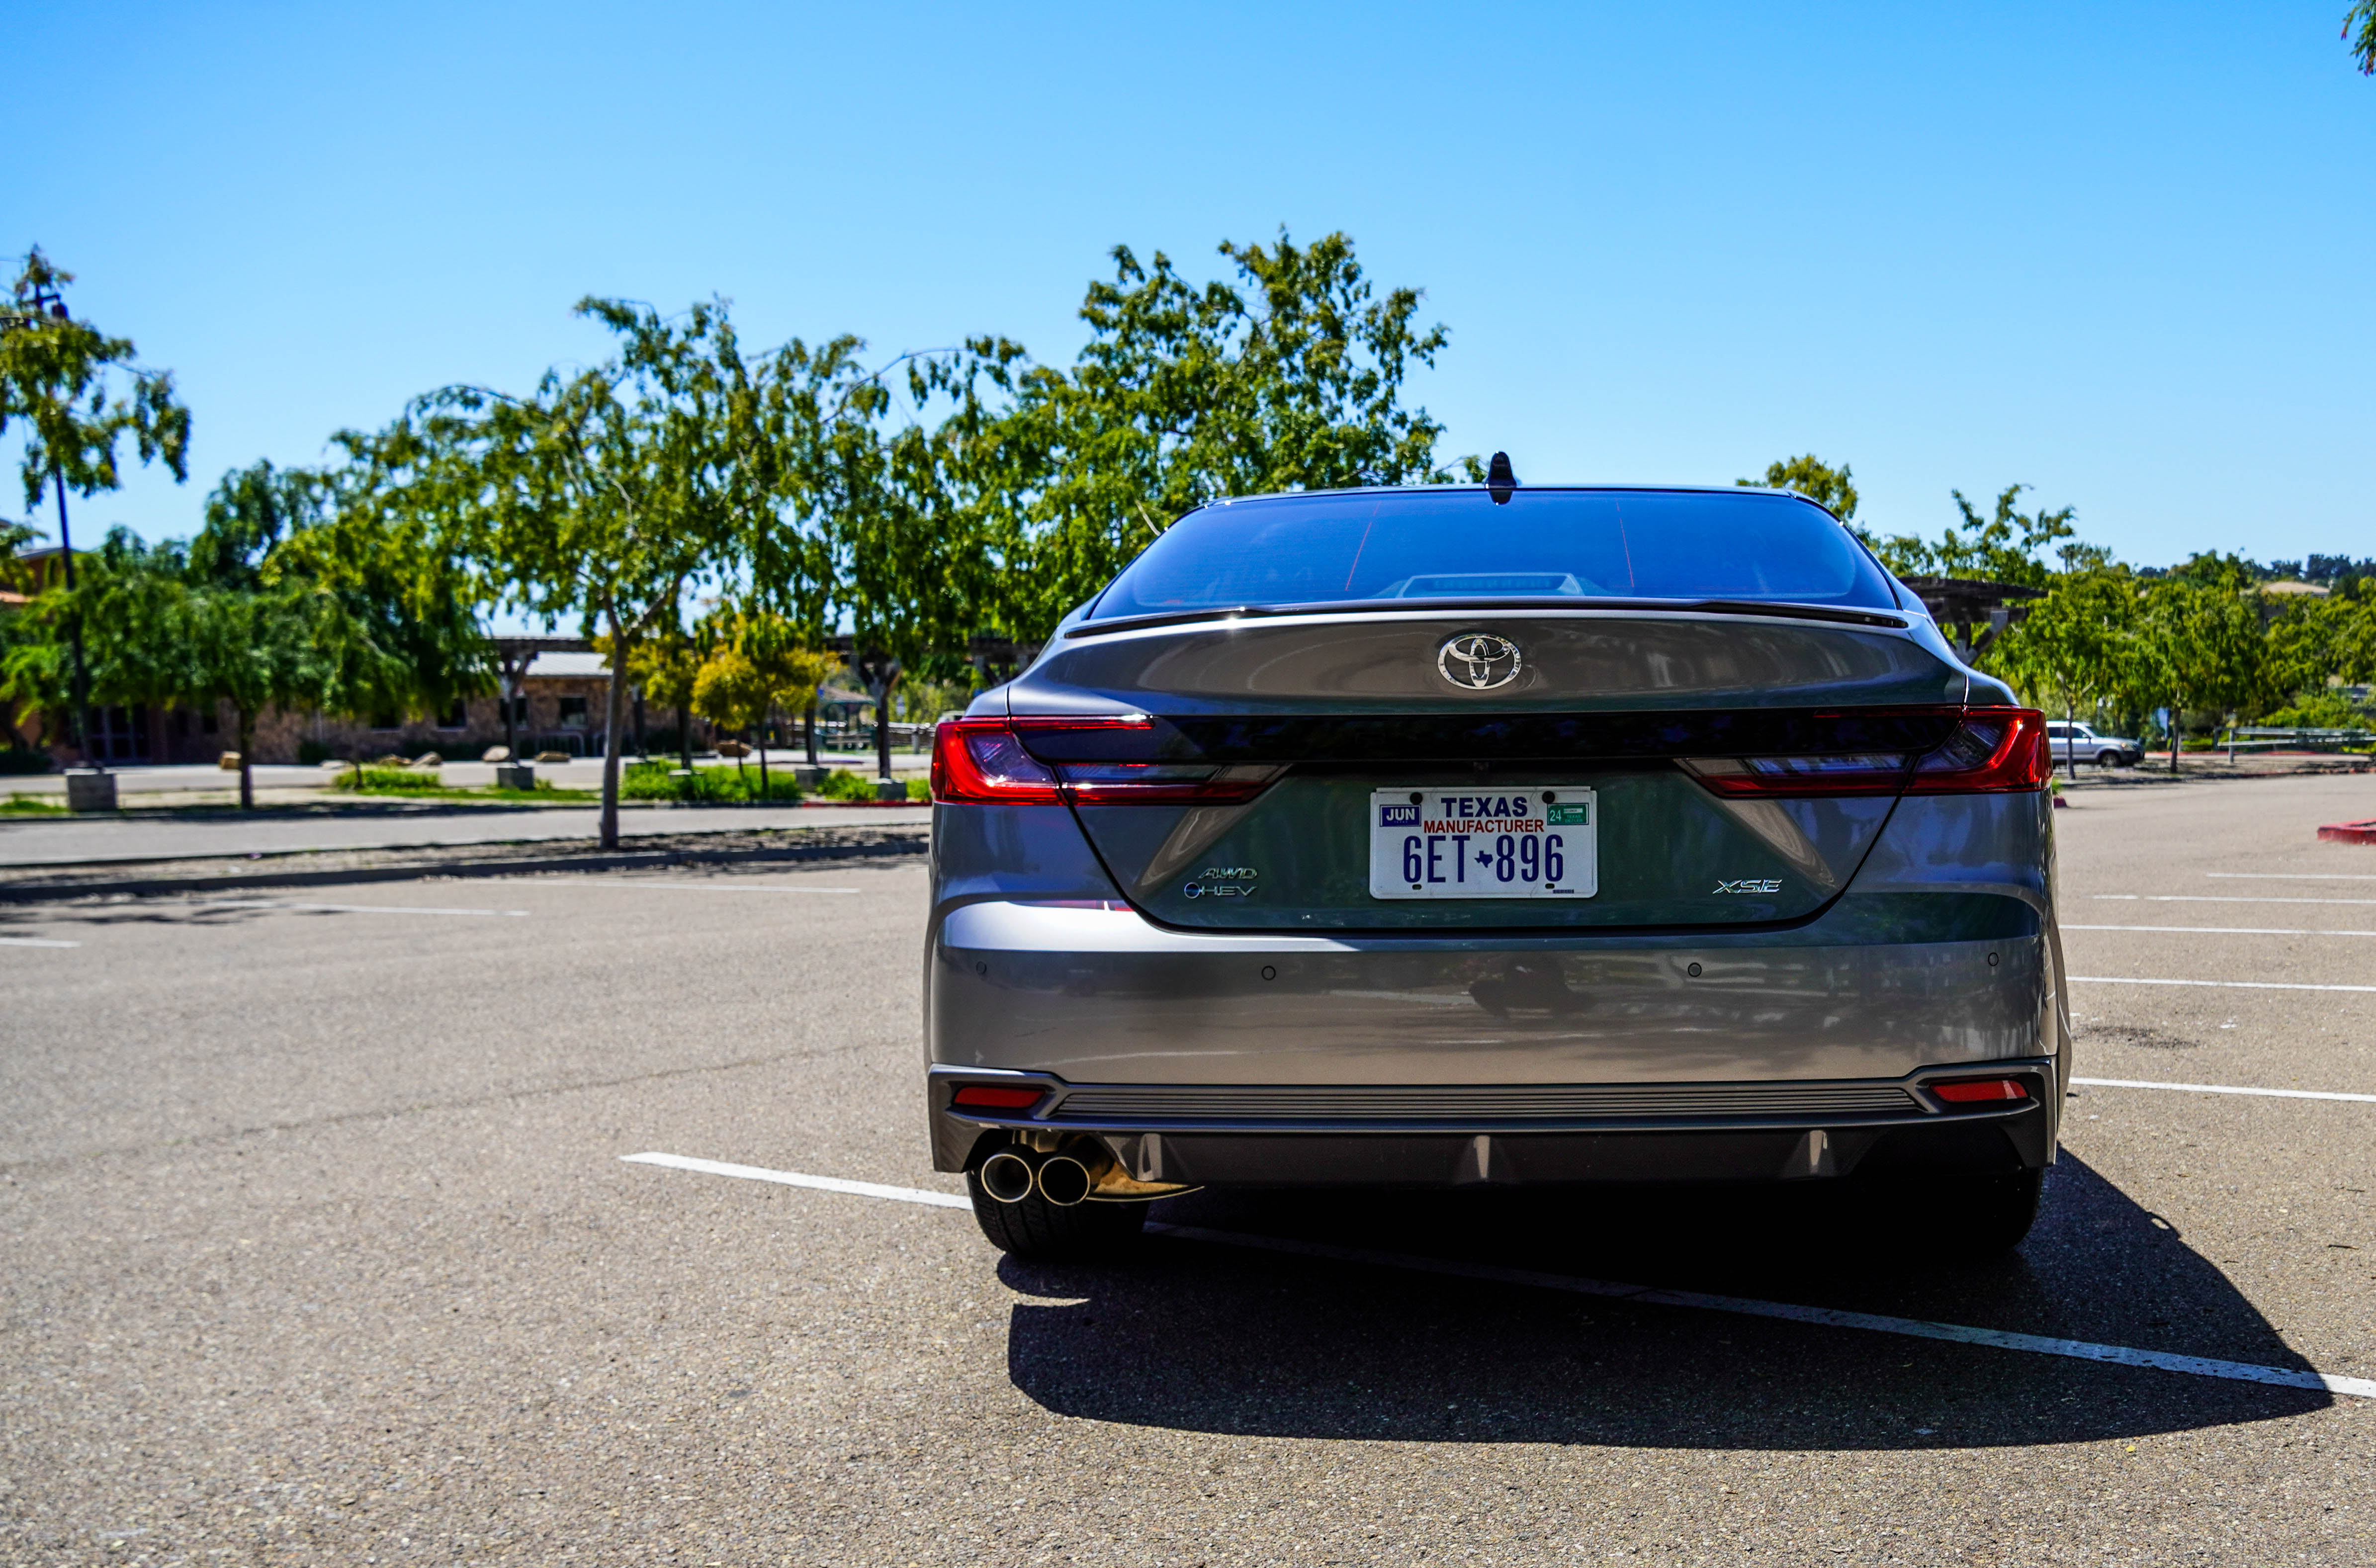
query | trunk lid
[1358, 712]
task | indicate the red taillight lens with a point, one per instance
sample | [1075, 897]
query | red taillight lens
[1995, 751]
[1977, 1091]
[981, 761]
[992, 1096]
[1991, 750]
[1871, 773]
[986, 761]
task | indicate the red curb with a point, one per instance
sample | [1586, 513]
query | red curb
[2350, 832]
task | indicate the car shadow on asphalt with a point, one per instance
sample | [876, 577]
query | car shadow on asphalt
[1202, 1336]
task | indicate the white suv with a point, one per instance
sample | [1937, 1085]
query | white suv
[2075, 740]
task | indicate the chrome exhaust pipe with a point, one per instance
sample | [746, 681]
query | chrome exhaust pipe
[1008, 1177]
[1063, 1180]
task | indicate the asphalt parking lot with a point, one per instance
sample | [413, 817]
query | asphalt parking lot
[320, 1245]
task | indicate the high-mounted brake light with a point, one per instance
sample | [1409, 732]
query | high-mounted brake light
[1981, 1091]
[1991, 751]
[990, 762]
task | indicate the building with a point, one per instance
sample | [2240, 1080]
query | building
[559, 708]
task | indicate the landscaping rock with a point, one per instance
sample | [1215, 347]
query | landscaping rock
[429, 759]
[228, 762]
[496, 753]
[553, 756]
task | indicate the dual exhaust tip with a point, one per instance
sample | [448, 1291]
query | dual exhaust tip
[1010, 1175]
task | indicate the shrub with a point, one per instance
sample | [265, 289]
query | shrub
[704, 786]
[386, 778]
[2320, 710]
[919, 789]
[313, 754]
[23, 759]
[843, 785]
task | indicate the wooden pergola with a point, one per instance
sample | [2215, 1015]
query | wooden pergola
[1972, 612]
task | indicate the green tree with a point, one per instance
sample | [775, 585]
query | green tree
[2075, 639]
[1292, 377]
[728, 691]
[295, 601]
[599, 497]
[2314, 640]
[1815, 479]
[2201, 642]
[664, 666]
[759, 665]
[77, 393]
[2003, 548]
[2363, 45]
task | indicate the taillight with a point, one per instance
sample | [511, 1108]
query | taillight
[1995, 750]
[982, 762]
[1879, 773]
[1991, 750]
[987, 761]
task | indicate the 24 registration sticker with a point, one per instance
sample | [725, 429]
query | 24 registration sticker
[1473, 842]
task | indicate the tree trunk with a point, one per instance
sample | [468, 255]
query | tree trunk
[684, 736]
[763, 761]
[614, 721]
[882, 723]
[2176, 728]
[808, 732]
[246, 760]
[2069, 721]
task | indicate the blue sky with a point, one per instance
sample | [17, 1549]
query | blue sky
[2118, 251]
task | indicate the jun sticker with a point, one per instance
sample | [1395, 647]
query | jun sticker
[1398, 817]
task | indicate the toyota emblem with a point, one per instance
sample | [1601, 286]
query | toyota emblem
[1478, 661]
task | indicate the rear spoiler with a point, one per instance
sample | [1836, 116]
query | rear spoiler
[1488, 606]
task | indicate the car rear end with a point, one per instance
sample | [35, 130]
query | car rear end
[1454, 837]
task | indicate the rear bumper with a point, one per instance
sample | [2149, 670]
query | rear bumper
[1093, 992]
[1417, 1136]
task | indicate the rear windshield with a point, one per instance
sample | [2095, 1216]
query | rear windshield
[1455, 543]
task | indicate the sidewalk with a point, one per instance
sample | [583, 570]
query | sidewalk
[146, 786]
[2198, 766]
[101, 840]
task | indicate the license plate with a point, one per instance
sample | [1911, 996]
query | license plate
[1471, 843]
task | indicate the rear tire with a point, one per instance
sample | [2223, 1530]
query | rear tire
[2108, 759]
[1039, 1232]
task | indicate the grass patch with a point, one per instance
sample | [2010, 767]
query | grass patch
[404, 783]
[32, 805]
[706, 786]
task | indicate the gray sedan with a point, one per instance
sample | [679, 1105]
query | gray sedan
[1474, 835]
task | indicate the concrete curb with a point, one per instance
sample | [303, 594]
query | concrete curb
[145, 888]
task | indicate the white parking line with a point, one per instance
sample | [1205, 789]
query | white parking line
[34, 942]
[1916, 1328]
[702, 886]
[2293, 875]
[2223, 1089]
[796, 1179]
[2220, 898]
[2223, 985]
[343, 909]
[2226, 929]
